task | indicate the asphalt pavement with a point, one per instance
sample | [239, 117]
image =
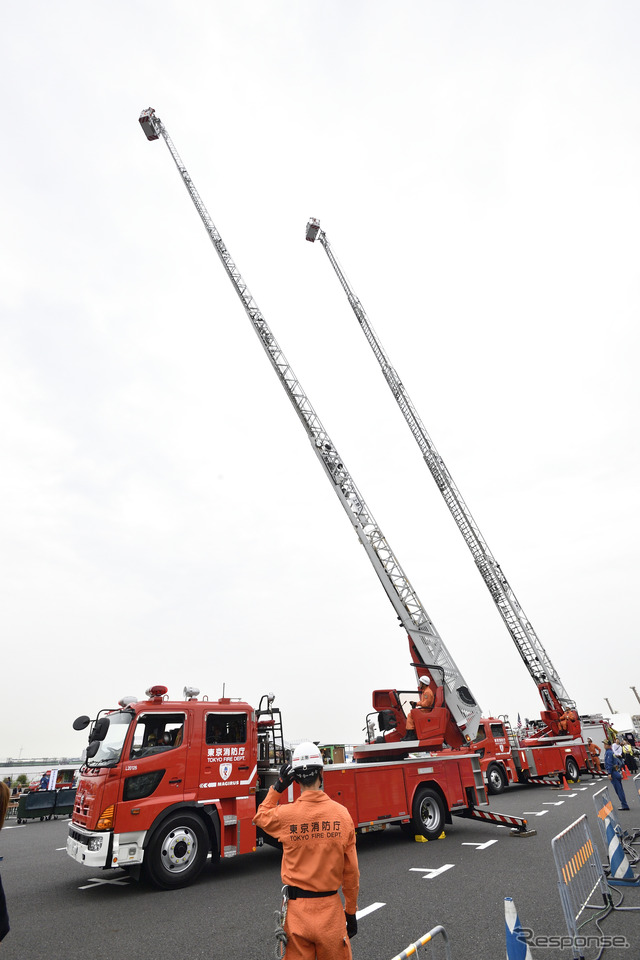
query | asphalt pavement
[59, 909]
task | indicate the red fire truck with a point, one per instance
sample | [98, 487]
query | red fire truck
[166, 783]
[507, 757]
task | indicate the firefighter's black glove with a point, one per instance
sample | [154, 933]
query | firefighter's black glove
[413, 704]
[352, 924]
[285, 778]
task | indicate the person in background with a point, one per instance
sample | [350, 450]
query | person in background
[612, 766]
[628, 756]
[5, 794]
[594, 757]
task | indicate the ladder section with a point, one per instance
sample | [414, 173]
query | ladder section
[524, 636]
[396, 584]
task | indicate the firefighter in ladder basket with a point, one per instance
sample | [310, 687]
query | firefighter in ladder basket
[318, 857]
[426, 702]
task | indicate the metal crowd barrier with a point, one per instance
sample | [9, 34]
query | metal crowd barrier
[580, 873]
[414, 947]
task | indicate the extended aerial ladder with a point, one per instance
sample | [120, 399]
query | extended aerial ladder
[427, 647]
[531, 650]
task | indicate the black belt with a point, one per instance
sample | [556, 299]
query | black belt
[297, 893]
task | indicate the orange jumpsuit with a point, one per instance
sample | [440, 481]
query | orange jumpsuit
[427, 700]
[318, 854]
[594, 750]
[567, 717]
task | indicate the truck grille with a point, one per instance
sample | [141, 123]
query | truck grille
[80, 837]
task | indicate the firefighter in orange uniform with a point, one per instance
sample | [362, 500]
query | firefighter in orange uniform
[427, 700]
[318, 857]
[594, 757]
[569, 716]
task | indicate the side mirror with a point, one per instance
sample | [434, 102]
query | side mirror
[99, 731]
[92, 749]
[81, 723]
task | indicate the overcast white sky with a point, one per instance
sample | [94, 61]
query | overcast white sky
[475, 166]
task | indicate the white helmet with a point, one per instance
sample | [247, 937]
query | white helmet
[424, 680]
[306, 762]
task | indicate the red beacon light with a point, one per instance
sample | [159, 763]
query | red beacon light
[157, 692]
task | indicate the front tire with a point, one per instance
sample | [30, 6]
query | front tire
[496, 781]
[572, 769]
[177, 852]
[428, 813]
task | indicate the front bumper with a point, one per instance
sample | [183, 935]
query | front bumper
[104, 849]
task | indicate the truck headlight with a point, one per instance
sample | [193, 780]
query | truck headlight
[95, 843]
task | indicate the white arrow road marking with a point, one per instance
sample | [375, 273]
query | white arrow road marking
[480, 846]
[431, 873]
[548, 803]
[374, 906]
[535, 813]
[568, 795]
[96, 882]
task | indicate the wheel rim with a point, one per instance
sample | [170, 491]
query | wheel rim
[179, 849]
[495, 779]
[429, 814]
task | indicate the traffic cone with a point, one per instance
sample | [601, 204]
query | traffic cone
[621, 874]
[517, 948]
[565, 781]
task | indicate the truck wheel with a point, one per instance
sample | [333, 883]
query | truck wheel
[177, 852]
[495, 779]
[573, 770]
[428, 813]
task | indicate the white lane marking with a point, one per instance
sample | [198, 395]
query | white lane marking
[17, 826]
[431, 873]
[60, 848]
[369, 909]
[548, 803]
[480, 846]
[535, 813]
[96, 882]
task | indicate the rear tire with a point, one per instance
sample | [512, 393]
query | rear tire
[496, 780]
[177, 852]
[428, 813]
[572, 770]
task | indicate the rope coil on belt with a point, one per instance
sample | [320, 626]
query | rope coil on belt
[281, 937]
[280, 915]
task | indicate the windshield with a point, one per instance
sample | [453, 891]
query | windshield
[111, 747]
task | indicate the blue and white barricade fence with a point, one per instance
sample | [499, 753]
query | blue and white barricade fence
[580, 873]
[617, 842]
[413, 948]
[517, 947]
[620, 872]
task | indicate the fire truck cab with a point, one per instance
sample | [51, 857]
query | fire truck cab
[165, 782]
